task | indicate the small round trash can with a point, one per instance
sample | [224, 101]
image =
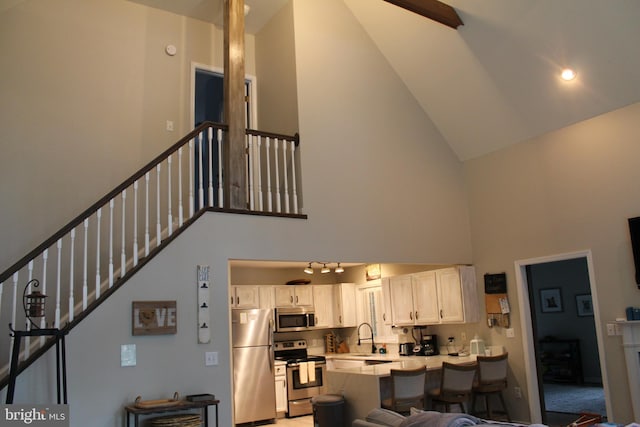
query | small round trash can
[328, 410]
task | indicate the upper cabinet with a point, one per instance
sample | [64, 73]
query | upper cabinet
[439, 296]
[323, 305]
[344, 298]
[245, 297]
[293, 296]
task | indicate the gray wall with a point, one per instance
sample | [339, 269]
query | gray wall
[564, 192]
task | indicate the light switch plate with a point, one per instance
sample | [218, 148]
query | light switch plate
[510, 333]
[211, 358]
[128, 355]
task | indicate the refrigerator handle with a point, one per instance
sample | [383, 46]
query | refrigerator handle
[272, 362]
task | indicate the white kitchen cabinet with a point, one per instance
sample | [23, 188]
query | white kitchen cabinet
[267, 298]
[245, 297]
[387, 316]
[345, 304]
[446, 295]
[293, 296]
[458, 295]
[281, 388]
[323, 305]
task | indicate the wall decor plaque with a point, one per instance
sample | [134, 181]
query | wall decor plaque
[154, 317]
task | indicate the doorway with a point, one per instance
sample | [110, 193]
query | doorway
[550, 288]
[207, 104]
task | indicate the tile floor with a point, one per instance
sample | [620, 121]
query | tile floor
[306, 421]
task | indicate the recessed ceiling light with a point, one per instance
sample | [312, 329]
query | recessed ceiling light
[568, 74]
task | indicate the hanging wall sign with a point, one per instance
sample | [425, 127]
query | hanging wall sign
[204, 315]
[154, 317]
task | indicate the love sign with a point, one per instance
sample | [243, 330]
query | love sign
[154, 317]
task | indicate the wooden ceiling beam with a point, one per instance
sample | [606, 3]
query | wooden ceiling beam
[432, 9]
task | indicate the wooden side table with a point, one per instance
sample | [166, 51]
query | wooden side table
[132, 410]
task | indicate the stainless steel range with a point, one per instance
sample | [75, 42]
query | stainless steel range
[306, 375]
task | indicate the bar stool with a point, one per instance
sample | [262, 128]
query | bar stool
[492, 379]
[456, 383]
[407, 390]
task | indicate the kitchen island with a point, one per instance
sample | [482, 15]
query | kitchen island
[364, 387]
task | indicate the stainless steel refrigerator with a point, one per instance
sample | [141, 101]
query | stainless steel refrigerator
[254, 395]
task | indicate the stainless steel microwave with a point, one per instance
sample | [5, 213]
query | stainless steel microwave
[290, 319]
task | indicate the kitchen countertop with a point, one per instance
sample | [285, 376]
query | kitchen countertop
[396, 362]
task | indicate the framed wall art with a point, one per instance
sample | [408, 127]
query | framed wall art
[551, 300]
[584, 305]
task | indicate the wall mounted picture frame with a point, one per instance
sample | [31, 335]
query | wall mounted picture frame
[373, 271]
[584, 305]
[551, 300]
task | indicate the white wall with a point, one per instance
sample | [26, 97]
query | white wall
[568, 191]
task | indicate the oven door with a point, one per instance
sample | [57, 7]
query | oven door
[296, 389]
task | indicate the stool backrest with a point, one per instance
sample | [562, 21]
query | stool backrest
[408, 384]
[457, 379]
[493, 369]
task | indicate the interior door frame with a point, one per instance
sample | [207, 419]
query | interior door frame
[533, 390]
[253, 93]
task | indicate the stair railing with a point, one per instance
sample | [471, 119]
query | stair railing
[89, 258]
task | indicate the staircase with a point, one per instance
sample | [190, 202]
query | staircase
[86, 261]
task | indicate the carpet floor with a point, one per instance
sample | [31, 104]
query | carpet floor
[574, 399]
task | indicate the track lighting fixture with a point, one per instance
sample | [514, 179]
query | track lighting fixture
[308, 269]
[325, 268]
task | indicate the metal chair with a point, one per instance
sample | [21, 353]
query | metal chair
[456, 383]
[407, 390]
[492, 379]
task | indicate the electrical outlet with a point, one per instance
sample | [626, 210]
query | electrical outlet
[211, 358]
[518, 392]
[170, 125]
[611, 329]
[463, 336]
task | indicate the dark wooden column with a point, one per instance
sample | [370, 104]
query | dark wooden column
[235, 164]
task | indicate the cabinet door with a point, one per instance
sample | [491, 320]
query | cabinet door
[345, 297]
[402, 300]
[450, 295]
[267, 299]
[387, 316]
[323, 305]
[281, 393]
[303, 295]
[425, 298]
[246, 297]
[283, 296]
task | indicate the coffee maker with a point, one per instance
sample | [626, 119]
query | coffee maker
[429, 344]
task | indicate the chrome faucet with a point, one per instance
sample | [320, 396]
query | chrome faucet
[373, 345]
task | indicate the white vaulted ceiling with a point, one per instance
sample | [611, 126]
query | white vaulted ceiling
[495, 80]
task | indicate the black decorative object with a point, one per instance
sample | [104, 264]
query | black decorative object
[34, 308]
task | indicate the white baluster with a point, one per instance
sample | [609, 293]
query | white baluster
[27, 340]
[293, 177]
[277, 181]
[71, 273]
[269, 195]
[220, 183]
[284, 176]
[158, 221]
[135, 223]
[210, 164]
[98, 226]
[14, 308]
[249, 173]
[59, 265]
[259, 163]
[85, 289]
[170, 215]
[180, 208]
[200, 173]
[191, 200]
[146, 215]
[111, 243]
[123, 246]
[43, 282]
